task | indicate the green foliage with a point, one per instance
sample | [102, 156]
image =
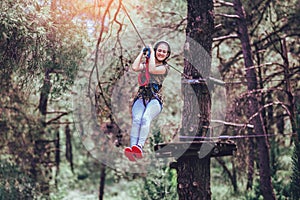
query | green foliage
[280, 162]
[33, 40]
[158, 185]
[295, 178]
[161, 181]
[14, 183]
[19, 34]
[255, 193]
[34, 43]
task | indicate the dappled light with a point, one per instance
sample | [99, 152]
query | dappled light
[224, 121]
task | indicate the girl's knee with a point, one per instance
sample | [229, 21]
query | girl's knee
[137, 120]
[145, 121]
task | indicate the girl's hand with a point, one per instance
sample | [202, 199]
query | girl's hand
[151, 48]
[148, 50]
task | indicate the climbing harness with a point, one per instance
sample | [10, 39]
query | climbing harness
[146, 90]
[149, 92]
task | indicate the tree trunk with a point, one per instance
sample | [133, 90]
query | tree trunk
[288, 87]
[197, 64]
[295, 178]
[45, 90]
[42, 172]
[193, 178]
[102, 182]
[251, 158]
[263, 150]
[193, 172]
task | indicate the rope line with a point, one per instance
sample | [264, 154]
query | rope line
[177, 70]
[136, 30]
[217, 81]
[228, 137]
[190, 80]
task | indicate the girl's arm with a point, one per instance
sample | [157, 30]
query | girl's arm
[137, 65]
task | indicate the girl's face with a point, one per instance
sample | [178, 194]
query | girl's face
[161, 52]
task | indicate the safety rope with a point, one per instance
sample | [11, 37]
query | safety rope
[136, 30]
[201, 81]
[228, 137]
[144, 77]
[183, 74]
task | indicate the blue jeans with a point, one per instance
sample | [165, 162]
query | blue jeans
[141, 120]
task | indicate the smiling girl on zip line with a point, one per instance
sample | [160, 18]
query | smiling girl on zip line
[148, 102]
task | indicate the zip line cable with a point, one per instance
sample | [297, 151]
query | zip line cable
[189, 80]
[136, 30]
[186, 76]
[228, 137]
[219, 82]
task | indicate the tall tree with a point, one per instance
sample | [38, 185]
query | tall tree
[193, 172]
[295, 178]
[254, 109]
[31, 56]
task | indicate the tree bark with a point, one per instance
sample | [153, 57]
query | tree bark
[251, 158]
[41, 172]
[193, 172]
[45, 91]
[262, 143]
[197, 64]
[193, 178]
[102, 182]
[295, 183]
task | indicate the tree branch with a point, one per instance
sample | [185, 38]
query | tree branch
[232, 123]
[231, 36]
[228, 16]
[219, 3]
[270, 104]
[56, 118]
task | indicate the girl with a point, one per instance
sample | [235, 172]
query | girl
[148, 103]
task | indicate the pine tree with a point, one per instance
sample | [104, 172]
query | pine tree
[295, 179]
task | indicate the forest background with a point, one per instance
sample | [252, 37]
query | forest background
[62, 67]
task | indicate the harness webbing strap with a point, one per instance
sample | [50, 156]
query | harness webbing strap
[149, 92]
[144, 76]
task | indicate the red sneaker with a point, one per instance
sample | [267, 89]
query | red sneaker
[137, 151]
[129, 154]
